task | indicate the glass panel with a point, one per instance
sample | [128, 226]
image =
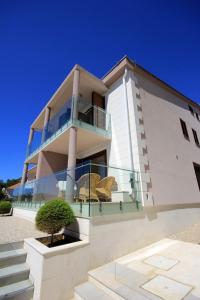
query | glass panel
[36, 142]
[88, 116]
[91, 190]
[92, 115]
[61, 118]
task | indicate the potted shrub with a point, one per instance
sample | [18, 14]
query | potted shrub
[5, 207]
[53, 216]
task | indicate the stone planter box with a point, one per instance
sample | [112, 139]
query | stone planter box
[55, 271]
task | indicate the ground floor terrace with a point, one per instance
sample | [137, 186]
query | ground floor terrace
[91, 189]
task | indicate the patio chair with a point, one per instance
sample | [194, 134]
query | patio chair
[104, 188]
[86, 187]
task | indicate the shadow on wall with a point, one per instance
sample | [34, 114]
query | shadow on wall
[151, 213]
[73, 230]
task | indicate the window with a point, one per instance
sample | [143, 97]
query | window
[197, 173]
[196, 137]
[191, 109]
[197, 116]
[184, 129]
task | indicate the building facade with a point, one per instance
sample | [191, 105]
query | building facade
[130, 120]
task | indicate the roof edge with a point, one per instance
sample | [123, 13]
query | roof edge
[136, 65]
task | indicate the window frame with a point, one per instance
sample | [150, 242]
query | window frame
[197, 166]
[184, 130]
[191, 109]
[195, 136]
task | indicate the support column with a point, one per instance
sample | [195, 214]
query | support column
[31, 134]
[40, 154]
[72, 148]
[72, 140]
[46, 120]
[24, 174]
[75, 91]
[30, 139]
[39, 165]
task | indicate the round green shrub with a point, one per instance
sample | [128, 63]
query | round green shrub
[53, 216]
[5, 207]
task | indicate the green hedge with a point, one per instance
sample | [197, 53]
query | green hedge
[5, 207]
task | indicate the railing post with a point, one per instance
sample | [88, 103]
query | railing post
[89, 190]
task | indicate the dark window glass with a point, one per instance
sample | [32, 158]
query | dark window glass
[197, 173]
[197, 116]
[195, 137]
[184, 129]
[191, 109]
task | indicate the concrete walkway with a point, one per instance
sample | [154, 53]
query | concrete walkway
[168, 269]
[13, 229]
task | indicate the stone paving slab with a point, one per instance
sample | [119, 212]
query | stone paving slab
[161, 262]
[13, 229]
[167, 288]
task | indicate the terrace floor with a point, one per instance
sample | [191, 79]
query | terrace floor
[13, 229]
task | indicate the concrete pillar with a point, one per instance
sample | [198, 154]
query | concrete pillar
[72, 140]
[39, 165]
[31, 134]
[24, 174]
[75, 91]
[46, 120]
[40, 155]
[30, 139]
[72, 148]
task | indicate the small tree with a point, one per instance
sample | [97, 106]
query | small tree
[53, 216]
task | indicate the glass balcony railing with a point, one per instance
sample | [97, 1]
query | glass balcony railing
[87, 116]
[91, 190]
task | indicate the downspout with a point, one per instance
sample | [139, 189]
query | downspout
[128, 116]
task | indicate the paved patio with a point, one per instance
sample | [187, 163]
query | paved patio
[168, 269]
[13, 229]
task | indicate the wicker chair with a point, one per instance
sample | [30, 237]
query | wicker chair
[104, 188]
[86, 187]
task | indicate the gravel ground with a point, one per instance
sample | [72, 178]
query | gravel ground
[13, 229]
[191, 234]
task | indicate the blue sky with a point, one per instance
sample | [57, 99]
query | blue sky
[40, 41]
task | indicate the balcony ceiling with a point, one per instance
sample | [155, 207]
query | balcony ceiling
[86, 140]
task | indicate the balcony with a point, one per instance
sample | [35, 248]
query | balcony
[93, 123]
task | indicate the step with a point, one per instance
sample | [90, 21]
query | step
[89, 291]
[22, 290]
[11, 246]
[105, 277]
[12, 257]
[14, 273]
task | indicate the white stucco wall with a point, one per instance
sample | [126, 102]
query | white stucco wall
[118, 150]
[171, 156]
[128, 144]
